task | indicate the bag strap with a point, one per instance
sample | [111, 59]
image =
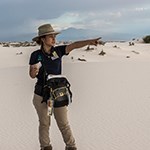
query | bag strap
[68, 87]
[45, 74]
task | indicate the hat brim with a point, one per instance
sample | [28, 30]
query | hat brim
[49, 33]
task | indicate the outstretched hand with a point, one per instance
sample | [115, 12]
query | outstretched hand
[96, 41]
[79, 44]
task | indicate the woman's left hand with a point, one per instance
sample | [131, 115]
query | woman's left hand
[95, 41]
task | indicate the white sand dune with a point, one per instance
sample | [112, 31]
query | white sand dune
[111, 99]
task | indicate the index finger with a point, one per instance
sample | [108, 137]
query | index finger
[98, 38]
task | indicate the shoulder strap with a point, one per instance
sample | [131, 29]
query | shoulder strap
[68, 87]
[45, 74]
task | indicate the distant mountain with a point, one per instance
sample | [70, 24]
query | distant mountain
[72, 34]
[77, 34]
[66, 35]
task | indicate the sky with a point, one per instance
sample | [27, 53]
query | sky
[109, 17]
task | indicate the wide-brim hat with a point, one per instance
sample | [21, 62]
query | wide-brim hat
[45, 29]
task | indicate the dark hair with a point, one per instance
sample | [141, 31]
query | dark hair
[39, 41]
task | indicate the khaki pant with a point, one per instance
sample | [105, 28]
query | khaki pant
[60, 115]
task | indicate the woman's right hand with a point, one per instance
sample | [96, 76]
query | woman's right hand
[34, 70]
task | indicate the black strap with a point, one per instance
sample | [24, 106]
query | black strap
[68, 86]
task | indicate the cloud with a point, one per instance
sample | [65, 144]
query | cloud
[140, 9]
[24, 16]
[115, 14]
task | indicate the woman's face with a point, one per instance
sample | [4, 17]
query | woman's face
[49, 40]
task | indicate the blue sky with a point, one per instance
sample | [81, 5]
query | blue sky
[109, 17]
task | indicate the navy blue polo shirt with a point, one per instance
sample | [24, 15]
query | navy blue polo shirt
[51, 63]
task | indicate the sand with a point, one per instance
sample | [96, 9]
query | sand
[111, 99]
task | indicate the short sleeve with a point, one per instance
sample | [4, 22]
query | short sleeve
[61, 50]
[33, 59]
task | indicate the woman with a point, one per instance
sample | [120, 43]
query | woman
[48, 60]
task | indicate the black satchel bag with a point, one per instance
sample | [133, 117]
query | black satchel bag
[58, 90]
